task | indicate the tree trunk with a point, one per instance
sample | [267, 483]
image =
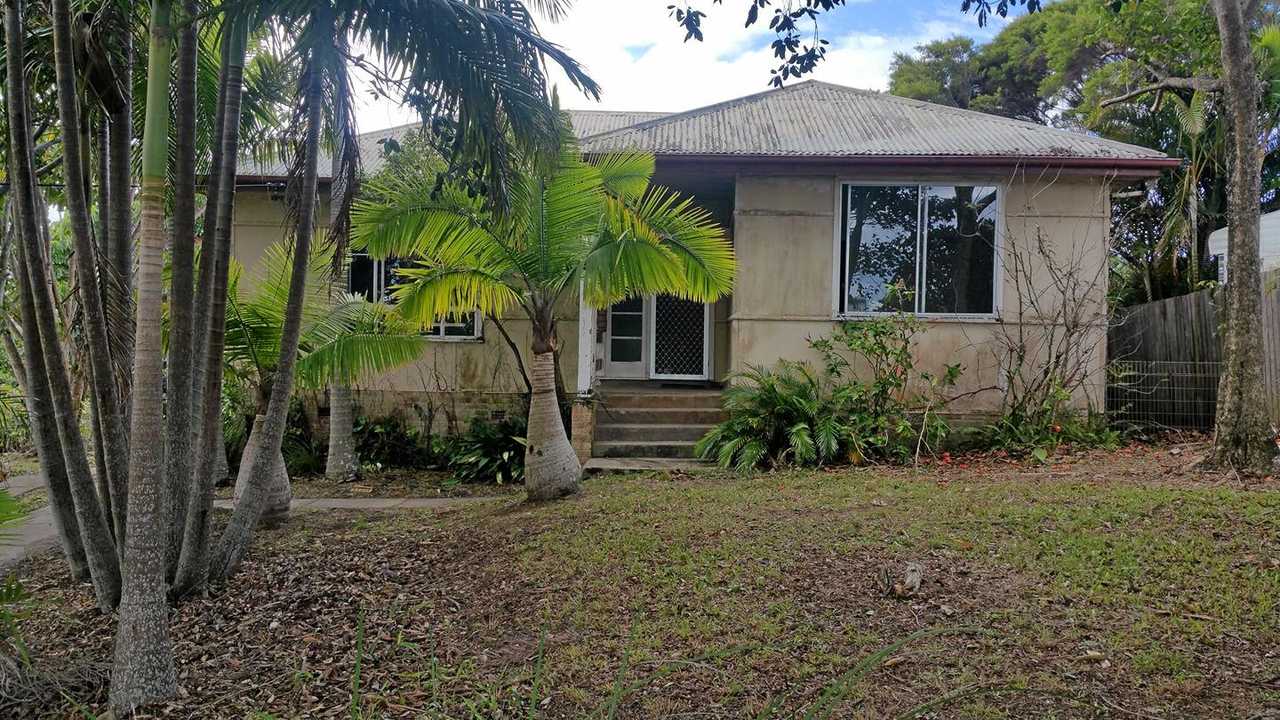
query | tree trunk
[1242, 434]
[341, 464]
[143, 672]
[279, 494]
[193, 562]
[235, 539]
[178, 391]
[551, 468]
[115, 441]
[95, 535]
[44, 432]
[120, 160]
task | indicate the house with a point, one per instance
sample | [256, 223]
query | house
[1268, 246]
[832, 196]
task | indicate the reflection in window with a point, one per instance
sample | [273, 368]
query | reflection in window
[377, 279]
[960, 250]
[919, 248]
[881, 247]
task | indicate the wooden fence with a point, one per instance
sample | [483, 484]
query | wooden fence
[1164, 359]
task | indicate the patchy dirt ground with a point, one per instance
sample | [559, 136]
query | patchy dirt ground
[391, 483]
[1103, 586]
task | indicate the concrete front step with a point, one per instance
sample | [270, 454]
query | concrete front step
[643, 449]
[650, 432]
[699, 399]
[660, 416]
[601, 466]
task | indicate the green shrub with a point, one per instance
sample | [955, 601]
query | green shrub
[1036, 431]
[391, 442]
[304, 453]
[490, 452]
[793, 414]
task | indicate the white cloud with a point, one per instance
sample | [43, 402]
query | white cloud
[638, 56]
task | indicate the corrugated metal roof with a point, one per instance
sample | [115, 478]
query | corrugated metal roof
[585, 123]
[811, 119]
[816, 119]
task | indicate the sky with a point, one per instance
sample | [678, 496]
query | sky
[634, 50]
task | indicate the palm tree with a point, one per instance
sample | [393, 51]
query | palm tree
[595, 226]
[474, 70]
[343, 339]
[143, 670]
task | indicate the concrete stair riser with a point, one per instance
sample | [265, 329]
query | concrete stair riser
[694, 399]
[644, 449]
[660, 416]
[651, 432]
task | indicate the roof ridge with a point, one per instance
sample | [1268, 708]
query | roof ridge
[733, 102]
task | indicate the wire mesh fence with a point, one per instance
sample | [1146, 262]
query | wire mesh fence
[1162, 393]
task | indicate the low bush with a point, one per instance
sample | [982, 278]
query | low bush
[391, 442]
[884, 409]
[490, 452]
[1037, 431]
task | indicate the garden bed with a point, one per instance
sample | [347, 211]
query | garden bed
[1103, 586]
[391, 483]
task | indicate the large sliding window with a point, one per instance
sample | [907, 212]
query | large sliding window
[927, 249]
[376, 279]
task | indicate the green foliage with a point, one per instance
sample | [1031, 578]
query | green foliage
[490, 452]
[1037, 432]
[304, 453]
[391, 442]
[858, 408]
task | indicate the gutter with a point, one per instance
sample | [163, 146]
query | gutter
[1134, 167]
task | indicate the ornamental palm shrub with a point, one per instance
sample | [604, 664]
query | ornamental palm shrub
[868, 403]
[571, 225]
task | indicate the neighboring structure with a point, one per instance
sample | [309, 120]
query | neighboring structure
[1268, 246]
[832, 196]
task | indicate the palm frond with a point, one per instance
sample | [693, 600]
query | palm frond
[432, 293]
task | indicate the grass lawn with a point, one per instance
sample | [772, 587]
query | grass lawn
[1106, 586]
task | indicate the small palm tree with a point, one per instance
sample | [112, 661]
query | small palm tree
[595, 226]
[344, 337]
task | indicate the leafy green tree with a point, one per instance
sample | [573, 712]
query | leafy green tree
[595, 226]
[943, 71]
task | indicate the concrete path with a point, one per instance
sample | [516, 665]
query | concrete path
[20, 485]
[34, 534]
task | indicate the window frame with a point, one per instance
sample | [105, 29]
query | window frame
[840, 259]
[436, 331]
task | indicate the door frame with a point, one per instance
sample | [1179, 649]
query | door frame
[640, 369]
[652, 327]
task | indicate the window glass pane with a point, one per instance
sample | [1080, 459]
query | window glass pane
[462, 326]
[625, 350]
[627, 325]
[960, 252]
[389, 277]
[880, 227]
[630, 305]
[360, 276]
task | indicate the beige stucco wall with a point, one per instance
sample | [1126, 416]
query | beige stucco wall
[785, 232]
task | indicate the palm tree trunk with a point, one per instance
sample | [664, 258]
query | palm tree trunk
[95, 535]
[279, 494]
[340, 465]
[193, 561]
[115, 442]
[120, 201]
[143, 672]
[178, 391]
[551, 468]
[44, 431]
[235, 539]
[1241, 437]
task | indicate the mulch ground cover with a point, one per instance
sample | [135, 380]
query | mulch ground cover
[1103, 585]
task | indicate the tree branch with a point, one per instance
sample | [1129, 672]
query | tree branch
[1199, 84]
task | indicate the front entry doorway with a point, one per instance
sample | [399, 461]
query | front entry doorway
[660, 337]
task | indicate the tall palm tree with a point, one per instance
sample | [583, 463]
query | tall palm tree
[592, 225]
[474, 69]
[143, 671]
